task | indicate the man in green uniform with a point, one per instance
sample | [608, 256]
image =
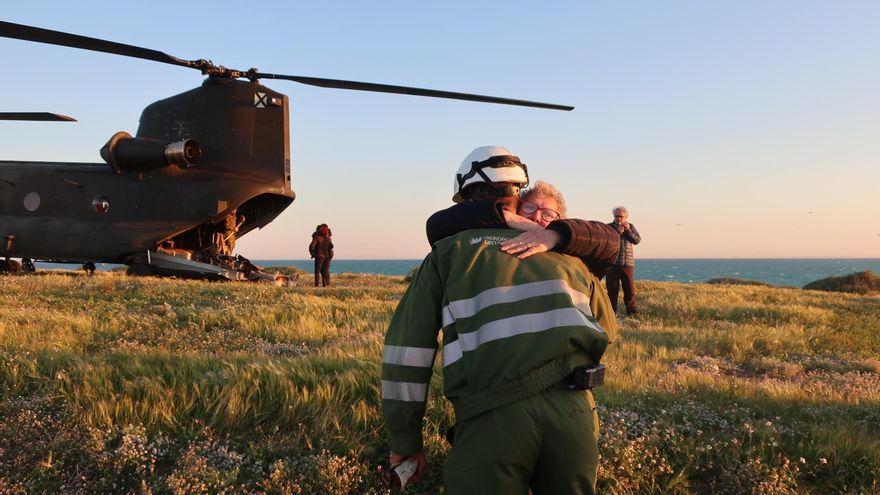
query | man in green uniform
[228, 231]
[521, 339]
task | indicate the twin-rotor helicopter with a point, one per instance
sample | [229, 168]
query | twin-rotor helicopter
[205, 167]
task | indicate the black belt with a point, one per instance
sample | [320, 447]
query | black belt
[584, 378]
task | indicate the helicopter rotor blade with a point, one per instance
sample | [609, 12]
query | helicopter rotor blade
[36, 116]
[40, 35]
[406, 90]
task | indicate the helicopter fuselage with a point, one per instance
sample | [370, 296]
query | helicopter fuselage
[102, 213]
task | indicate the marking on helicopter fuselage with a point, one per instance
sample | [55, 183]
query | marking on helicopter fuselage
[260, 100]
[179, 127]
[31, 201]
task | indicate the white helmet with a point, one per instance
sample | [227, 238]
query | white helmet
[492, 165]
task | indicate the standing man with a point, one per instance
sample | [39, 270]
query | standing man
[522, 340]
[229, 228]
[624, 269]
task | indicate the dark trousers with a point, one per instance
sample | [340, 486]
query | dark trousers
[547, 442]
[627, 275]
[322, 270]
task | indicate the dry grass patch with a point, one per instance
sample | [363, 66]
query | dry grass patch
[115, 384]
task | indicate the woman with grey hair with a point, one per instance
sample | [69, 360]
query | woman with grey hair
[593, 242]
[546, 190]
[539, 205]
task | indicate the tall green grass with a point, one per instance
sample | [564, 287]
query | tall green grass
[114, 384]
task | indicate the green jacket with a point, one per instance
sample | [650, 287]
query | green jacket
[510, 329]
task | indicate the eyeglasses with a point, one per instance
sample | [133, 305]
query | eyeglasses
[530, 208]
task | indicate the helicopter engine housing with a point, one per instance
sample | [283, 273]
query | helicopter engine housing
[126, 153]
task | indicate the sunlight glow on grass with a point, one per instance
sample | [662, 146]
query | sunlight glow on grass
[181, 385]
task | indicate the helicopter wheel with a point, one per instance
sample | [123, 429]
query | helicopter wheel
[139, 270]
[9, 266]
[27, 265]
[89, 267]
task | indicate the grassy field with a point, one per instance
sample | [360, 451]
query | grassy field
[115, 384]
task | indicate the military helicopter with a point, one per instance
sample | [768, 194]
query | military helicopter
[205, 167]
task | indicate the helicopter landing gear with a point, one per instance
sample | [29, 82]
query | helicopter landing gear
[89, 267]
[27, 265]
[9, 266]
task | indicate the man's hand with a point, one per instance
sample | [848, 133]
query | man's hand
[517, 222]
[531, 242]
[421, 463]
[625, 225]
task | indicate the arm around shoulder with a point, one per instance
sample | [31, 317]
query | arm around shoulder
[594, 242]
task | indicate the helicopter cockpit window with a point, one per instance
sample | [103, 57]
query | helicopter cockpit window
[101, 204]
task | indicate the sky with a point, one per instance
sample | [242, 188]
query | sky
[745, 129]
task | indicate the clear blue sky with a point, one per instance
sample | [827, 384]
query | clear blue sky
[736, 129]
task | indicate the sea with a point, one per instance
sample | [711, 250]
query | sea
[778, 272]
[789, 272]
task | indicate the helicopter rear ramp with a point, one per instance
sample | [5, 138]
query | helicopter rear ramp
[173, 264]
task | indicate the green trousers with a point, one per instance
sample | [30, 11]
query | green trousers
[548, 442]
